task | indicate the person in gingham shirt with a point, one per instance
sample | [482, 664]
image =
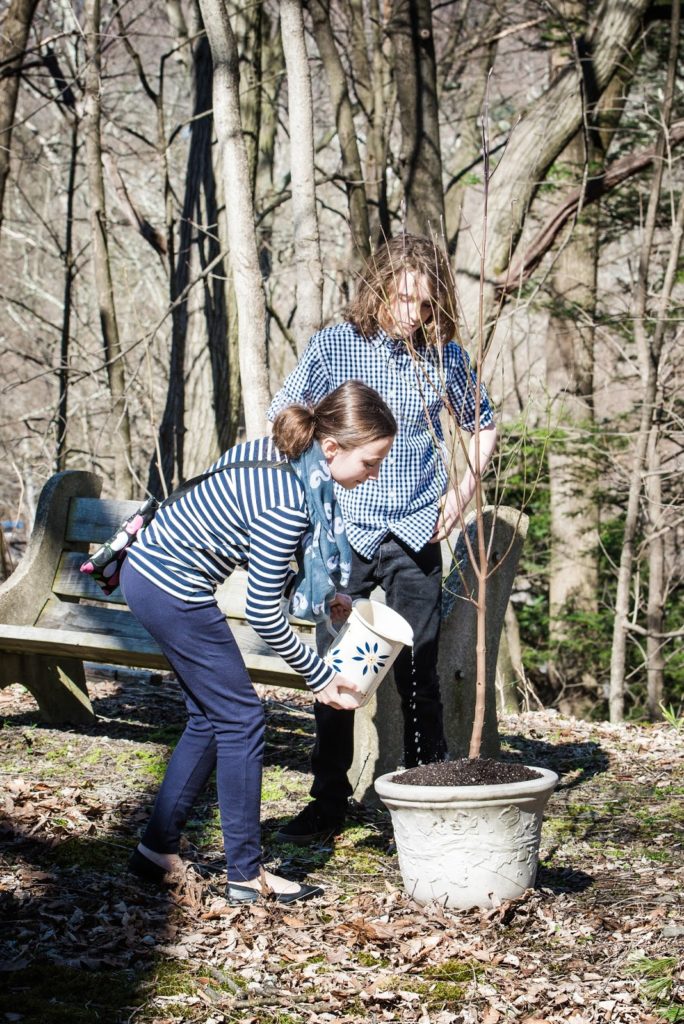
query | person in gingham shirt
[400, 338]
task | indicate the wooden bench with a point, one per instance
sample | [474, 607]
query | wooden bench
[53, 618]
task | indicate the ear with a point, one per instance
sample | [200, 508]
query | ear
[329, 447]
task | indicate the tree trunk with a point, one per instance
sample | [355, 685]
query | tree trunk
[212, 405]
[202, 406]
[416, 83]
[378, 128]
[247, 20]
[655, 612]
[69, 271]
[272, 78]
[13, 36]
[473, 74]
[121, 440]
[534, 144]
[307, 249]
[346, 131]
[244, 259]
[573, 569]
[649, 349]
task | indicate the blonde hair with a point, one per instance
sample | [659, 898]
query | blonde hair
[378, 285]
[353, 414]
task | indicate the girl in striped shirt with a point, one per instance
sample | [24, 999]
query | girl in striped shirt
[261, 500]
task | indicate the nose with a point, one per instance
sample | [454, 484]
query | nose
[374, 473]
[412, 309]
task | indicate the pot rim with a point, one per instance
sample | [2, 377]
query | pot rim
[400, 793]
[397, 621]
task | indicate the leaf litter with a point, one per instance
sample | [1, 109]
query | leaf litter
[599, 940]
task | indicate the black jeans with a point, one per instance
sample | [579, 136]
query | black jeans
[412, 581]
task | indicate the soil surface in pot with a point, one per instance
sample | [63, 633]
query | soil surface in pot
[475, 771]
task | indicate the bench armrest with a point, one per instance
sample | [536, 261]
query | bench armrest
[23, 595]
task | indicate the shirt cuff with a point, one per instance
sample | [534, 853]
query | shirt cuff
[321, 676]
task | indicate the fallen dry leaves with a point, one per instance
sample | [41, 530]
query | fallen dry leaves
[609, 890]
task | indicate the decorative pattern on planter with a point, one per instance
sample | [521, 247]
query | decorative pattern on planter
[467, 846]
[497, 850]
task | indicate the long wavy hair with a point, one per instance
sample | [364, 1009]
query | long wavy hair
[378, 286]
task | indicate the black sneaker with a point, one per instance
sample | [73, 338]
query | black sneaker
[314, 822]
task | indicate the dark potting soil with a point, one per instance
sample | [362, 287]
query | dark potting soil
[476, 771]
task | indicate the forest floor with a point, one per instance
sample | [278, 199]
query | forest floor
[601, 938]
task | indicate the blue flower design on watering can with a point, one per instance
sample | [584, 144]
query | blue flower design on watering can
[370, 656]
[334, 659]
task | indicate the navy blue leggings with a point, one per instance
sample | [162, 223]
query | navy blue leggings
[225, 727]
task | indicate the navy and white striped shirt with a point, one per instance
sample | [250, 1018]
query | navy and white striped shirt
[250, 516]
[404, 500]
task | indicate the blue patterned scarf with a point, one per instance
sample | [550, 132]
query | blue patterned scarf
[324, 554]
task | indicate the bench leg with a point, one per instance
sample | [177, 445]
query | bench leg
[378, 741]
[58, 686]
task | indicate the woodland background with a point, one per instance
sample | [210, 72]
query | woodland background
[187, 190]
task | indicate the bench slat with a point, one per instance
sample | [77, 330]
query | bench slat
[71, 582]
[94, 520]
[270, 671]
[116, 632]
[230, 596]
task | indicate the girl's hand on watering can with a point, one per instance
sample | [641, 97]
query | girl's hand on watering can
[340, 609]
[339, 694]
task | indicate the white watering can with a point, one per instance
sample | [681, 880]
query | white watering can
[367, 645]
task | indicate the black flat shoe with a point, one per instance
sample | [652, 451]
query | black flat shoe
[237, 894]
[146, 869]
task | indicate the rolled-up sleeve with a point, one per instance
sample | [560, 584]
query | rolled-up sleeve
[462, 389]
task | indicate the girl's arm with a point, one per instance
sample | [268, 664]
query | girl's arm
[274, 537]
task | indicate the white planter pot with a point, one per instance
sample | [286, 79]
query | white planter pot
[366, 647]
[467, 846]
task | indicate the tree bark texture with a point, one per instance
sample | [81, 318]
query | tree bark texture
[247, 21]
[573, 569]
[307, 248]
[657, 586]
[104, 290]
[352, 171]
[69, 273]
[536, 141]
[573, 578]
[472, 72]
[13, 37]
[244, 258]
[378, 128]
[649, 347]
[202, 406]
[415, 78]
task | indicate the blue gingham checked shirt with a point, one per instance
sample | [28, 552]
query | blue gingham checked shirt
[404, 500]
